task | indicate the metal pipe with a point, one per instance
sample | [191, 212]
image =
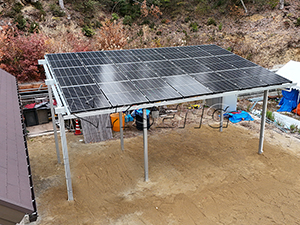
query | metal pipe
[221, 115]
[53, 122]
[145, 144]
[121, 130]
[262, 123]
[65, 157]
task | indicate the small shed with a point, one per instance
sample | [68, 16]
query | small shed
[16, 187]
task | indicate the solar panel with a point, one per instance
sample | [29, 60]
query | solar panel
[156, 89]
[246, 82]
[220, 66]
[105, 79]
[243, 64]
[220, 52]
[122, 93]
[198, 54]
[221, 86]
[208, 77]
[199, 68]
[187, 86]
[82, 98]
[210, 47]
[106, 73]
[72, 76]
[177, 55]
[150, 57]
[187, 49]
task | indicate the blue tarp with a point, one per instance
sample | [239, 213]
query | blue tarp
[289, 100]
[139, 112]
[239, 116]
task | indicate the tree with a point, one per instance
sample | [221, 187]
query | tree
[61, 4]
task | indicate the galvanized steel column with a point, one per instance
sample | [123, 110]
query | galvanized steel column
[121, 130]
[49, 83]
[221, 115]
[65, 157]
[145, 144]
[263, 122]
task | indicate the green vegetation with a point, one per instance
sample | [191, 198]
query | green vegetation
[297, 24]
[127, 20]
[270, 115]
[20, 22]
[220, 26]
[17, 7]
[211, 21]
[293, 128]
[34, 27]
[194, 26]
[87, 31]
[114, 16]
[56, 11]
[38, 5]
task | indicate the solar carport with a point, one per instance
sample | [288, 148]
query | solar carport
[92, 83]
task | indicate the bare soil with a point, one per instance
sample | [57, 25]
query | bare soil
[197, 176]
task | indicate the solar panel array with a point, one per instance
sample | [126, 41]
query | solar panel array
[107, 79]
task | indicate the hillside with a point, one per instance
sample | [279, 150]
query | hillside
[265, 35]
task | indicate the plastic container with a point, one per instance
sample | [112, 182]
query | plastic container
[114, 117]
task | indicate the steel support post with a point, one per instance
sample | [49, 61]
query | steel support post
[221, 115]
[121, 130]
[263, 122]
[48, 83]
[145, 144]
[65, 157]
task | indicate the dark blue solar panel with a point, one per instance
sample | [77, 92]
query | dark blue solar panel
[82, 98]
[104, 79]
[187, 49]
[208, 77]
[220, 52]
[210, 47]
[198, 54]
[199, 68]
[156, 89]
[221, 86]
[246, 82]
[187, 86]
[123, 93]
[220, 67]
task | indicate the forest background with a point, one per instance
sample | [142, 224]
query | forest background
[263, 31]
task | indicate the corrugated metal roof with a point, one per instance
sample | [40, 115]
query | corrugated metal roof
[14, 179]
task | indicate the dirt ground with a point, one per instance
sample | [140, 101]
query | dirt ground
[197, 176]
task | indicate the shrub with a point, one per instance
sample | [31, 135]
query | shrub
[114, 16]
[270, 115]
[194, 26]
[293, 128]
[56, 11]
[127, 20]
[87, 31]
[211, 21]
[111, 36]
[38, 5]
[34, 27]
[297, 24]
[17, 7]
[20, 22]
[21, 54]
[220, 26]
